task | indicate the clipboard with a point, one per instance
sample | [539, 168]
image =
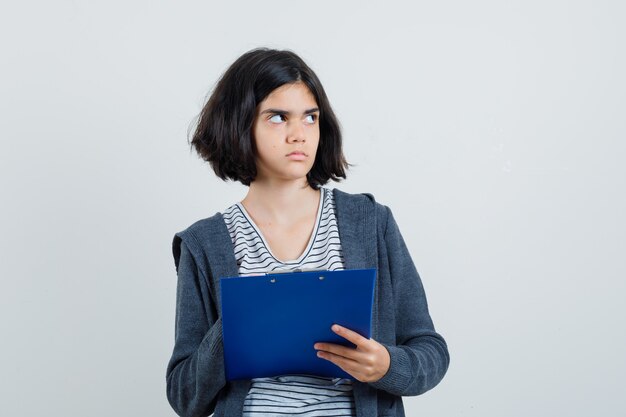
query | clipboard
[271, 322]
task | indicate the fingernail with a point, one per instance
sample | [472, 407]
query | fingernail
[335, 328]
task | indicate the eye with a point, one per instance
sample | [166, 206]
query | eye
[311, 118]
[277, 118]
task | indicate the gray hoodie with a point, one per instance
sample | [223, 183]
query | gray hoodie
[370, 238]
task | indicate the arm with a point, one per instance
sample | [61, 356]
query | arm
[420, 358]
[195, 372]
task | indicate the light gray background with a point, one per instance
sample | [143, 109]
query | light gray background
[494, 130]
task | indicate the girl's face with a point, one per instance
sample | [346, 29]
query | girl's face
[286, 133]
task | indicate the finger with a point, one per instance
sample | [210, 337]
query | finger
[360, 371]
[348, 365]
[340, 350]
[350, 335]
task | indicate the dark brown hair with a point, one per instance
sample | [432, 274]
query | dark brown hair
[223, 135]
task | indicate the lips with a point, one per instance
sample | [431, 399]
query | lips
[297, 156]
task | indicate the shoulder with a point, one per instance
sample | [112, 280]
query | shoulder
[203, 227]
[364, 203]
[208, 231]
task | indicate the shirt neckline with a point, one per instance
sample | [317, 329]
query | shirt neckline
[309, 245]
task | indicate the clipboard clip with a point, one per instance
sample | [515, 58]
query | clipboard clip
[291, 271]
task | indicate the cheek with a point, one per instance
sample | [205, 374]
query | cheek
[267, 151]
[316, 141]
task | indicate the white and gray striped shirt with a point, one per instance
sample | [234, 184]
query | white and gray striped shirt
[302, 395]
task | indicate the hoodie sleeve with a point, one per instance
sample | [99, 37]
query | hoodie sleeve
[420, 358]
[195, 372]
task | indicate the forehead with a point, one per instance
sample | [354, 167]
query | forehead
[289, 95]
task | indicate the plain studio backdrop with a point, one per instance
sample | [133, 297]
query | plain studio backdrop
[494, 130]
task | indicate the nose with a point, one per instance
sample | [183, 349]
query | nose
[295, 132]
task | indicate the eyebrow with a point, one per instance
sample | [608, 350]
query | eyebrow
[285, 112]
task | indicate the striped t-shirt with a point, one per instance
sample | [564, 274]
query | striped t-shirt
[301, 395]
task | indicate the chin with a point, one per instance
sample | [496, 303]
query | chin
[292, 173]
[295, 176]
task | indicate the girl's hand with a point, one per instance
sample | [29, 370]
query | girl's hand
[369, 362]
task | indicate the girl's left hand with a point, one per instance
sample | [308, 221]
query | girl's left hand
[369, 362]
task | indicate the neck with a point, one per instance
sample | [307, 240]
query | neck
[278, 200]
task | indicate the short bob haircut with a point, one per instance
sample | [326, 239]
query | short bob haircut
[223, 135]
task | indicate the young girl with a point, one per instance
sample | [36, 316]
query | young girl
[269, 125]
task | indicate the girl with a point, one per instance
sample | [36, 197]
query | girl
[269, 125]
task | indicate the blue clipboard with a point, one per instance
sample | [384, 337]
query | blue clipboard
[271, 322]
